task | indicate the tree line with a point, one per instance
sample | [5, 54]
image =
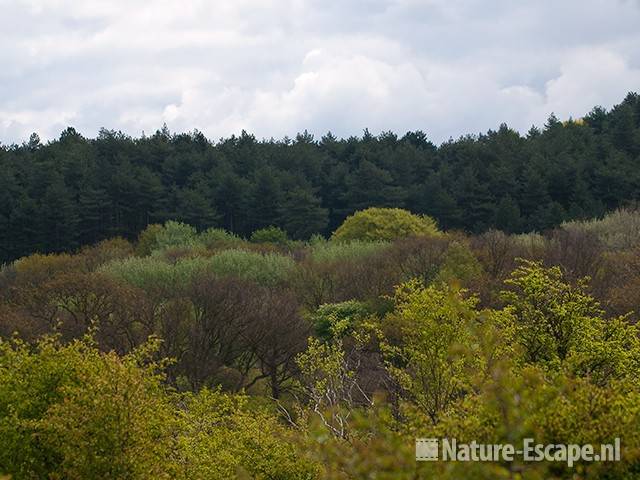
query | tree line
[74, 191]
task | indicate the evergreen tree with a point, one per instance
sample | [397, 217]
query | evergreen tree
[302, 215]
[117, 185]
[265, 200]
[508, 215]
[532, 192]
[369, 186]
[94, 205]
[192, 207]
[478, 201]
[58, 223]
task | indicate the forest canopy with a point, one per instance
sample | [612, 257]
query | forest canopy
[74, 191]
[193, 354]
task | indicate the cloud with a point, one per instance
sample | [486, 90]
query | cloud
[276, 67]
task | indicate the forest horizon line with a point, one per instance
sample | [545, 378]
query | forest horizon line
[74, 191]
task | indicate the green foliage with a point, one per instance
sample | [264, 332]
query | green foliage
[328, 315]
[74, 412]
[218, 238]
[270, 235]
[460, 265]
[175, 234]
[162, 237]
[561, 325]
[385, 224]
[329, 381]
[265, 269]
[155, 274]
[436, 357]
[619, 230]
[528, 403]
[324, 251]
[147, 240]
[222, 436]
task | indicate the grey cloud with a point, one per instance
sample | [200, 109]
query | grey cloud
[276, 67]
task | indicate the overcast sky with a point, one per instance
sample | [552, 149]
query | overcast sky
[277, 67]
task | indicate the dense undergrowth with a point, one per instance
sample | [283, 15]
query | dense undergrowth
[201, 354]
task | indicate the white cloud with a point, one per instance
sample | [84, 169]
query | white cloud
[276, 67]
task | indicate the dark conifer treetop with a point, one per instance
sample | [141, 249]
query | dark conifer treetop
[74, 191]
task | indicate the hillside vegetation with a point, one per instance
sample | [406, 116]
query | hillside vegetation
[194, 353]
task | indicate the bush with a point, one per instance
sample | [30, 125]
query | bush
[385, 224]
[175, 234]
[222, 437]
[460, 265]
[329, 314]
[270, 235]
[619, 230]
[267, 269]
[106, 251]
[218, 238]
[74, 412]
[147, 240]
[154, 275]
[160, 237]
[327, 251]
[37, 268]
[529, 245]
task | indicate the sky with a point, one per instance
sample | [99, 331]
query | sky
[278, 67]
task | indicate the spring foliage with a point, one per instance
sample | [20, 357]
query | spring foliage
[385, 224]
[205, 356]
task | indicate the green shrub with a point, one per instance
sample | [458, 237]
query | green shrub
[75, 412]
[106, 251]
[329, 314]
[152, 274]
[175, 234]
[267, 269]
[72, 411]
[160, 237]
[460, 264]
[155, 274]
[147, 240]
[385, 224]
[218, 238]
[529, 245]
[328, 251]
[270, 235]
[222, 437]
[619, 230]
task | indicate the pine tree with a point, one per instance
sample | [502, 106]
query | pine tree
[302, 215]
[58, 225]
[232, 202]
[508, 215]
[94, 206]
[371, 186]
[476, 202]
[193, 208]
[266, 198]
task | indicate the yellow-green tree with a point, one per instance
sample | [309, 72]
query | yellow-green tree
[385, 224]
